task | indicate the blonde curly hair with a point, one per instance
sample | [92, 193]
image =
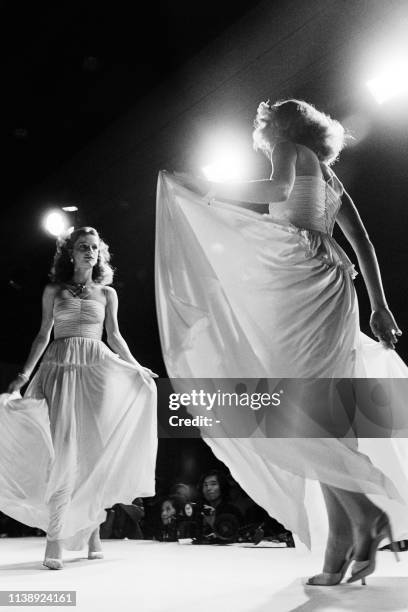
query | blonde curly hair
[299, 122]
[63, 268]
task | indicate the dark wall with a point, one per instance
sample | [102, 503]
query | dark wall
[312, 50]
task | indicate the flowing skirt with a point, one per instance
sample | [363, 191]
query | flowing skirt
[83, 438]
[241, 294]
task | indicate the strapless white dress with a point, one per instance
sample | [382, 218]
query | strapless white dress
[84, 436]
[240, 294]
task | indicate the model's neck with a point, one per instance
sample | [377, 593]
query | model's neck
[82, 276]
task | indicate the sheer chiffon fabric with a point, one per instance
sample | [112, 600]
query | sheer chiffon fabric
[240, 294]
[84, 436]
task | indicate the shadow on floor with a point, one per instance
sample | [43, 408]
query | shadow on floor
[380, 595]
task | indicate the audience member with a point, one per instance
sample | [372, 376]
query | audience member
[123, 521]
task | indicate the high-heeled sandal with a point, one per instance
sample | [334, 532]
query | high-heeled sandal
[53, 564]
[380, 529]
[331, 579]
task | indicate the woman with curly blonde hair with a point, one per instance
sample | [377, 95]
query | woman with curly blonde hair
[62, 270]
[84, 436]
[246, 294]
[300, 122]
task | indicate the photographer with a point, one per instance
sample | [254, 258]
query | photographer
[214, 489]
[168, 527]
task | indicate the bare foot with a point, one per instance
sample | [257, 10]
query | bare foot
[95, 545]
[53, 555]
[337, 550]
[338, 556]
[53, 549]
[362, 535]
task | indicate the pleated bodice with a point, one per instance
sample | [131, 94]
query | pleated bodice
[313, 204]
[76, 317]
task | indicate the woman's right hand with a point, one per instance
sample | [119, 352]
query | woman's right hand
[384, 327]
[16, 384]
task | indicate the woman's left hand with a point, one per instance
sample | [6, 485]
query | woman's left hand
[148, 373]
[384, 327]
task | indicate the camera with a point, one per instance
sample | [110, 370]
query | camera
[224, 529]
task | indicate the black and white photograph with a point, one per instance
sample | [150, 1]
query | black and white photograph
[204, 348]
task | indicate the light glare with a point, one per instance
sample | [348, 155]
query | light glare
[55, 223]
[392, 82]
[357, 129]
[227, 165]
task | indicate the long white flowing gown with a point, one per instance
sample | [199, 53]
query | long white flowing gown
[84, 435]
[240, 294]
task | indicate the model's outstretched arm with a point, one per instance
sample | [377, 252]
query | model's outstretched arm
[114, 337]
[383, 324]
[276, 189]
[40, 341]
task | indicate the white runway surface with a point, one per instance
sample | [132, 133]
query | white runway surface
[149, 576]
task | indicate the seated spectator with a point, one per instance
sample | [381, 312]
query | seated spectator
[123, 521]
[214, 490]
[170, 511]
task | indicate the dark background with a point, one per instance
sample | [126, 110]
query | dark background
[70, 70]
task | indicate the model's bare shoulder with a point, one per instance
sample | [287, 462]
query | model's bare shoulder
[110, 293]
[109, 290]
[51, 290]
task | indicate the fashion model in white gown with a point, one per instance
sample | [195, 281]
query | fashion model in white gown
[84, 436]
[243, 294]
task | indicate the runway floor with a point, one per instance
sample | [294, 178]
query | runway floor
[149, 576]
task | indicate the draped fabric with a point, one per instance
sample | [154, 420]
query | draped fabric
[241, 294]
[83, 437]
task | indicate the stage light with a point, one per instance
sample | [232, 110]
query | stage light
[56, 223]
[227, 156]
[391, 82]
[70, 208]
[226, 167]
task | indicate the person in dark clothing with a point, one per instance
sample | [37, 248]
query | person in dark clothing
[214, 489]
[123, 521]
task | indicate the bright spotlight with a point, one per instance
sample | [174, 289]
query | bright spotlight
[227, 163]
[70, 208]
[223, 169]
[391, 82]
[56, 223]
